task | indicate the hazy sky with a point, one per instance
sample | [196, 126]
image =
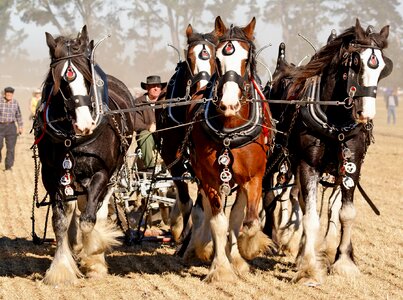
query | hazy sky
[265, 34]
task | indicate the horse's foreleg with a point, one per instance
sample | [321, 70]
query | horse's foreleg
[103, 235]
[252, 241]
[307, 264]
[180, 215]
[95, 192]
[201, 244]
[63, 269]
[345, 264]
[235, 222]
[220, 269]
[290, 229]
[332, 238]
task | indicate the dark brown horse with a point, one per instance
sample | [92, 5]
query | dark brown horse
[229, 148]
[80, 149]
[330, 139]
[191, 75]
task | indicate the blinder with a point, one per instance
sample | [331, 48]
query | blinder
[354, 89]
[69, 75]
[373, 61]
[204, 55]
[387, 70]
[228, 49]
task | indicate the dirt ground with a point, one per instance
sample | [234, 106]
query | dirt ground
[151, 271]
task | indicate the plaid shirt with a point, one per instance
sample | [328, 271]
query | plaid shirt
[10, 112]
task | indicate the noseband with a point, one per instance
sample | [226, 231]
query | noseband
[353, 65]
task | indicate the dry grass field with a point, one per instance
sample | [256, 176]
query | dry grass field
[151, 271]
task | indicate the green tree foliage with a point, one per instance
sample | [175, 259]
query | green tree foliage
[10, 37]
[140, 30]
[305, 18]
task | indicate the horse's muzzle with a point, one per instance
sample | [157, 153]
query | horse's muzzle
[230, 110]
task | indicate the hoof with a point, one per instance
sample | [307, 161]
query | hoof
[241, 267]
[308, 280]
[61, 275]
[251, 243]
[220, 274]
[344, 266]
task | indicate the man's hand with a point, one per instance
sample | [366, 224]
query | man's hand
[20, 130]
[153, 127]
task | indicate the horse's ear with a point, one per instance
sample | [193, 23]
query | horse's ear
[90, 48]
[51, 42]
[189, 31]
[250, 28]
[219, 27]
[359, 31]
[84, 35]
[385, 32]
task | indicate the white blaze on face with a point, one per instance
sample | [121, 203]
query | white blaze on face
[84, 124]
[233, 62]
[370, 77]
[201, 65]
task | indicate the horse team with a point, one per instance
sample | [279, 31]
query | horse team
[231, 140]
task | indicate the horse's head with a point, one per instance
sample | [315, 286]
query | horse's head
[235, 60]
[367, 65]
[200, 56]
[71, 74]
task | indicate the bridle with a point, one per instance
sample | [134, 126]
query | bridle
[233, 76]
[74, 101]
[352, 66]
[203, 55]
[97, 100]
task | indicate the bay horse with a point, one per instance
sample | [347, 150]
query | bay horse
[229, 148]
[80, 149]
[191, 75]
[331, 139]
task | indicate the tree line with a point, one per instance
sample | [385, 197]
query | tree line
[141, 30]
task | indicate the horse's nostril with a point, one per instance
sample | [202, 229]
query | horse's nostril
[237, 106]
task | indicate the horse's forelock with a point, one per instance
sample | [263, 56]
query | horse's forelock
[198, 37]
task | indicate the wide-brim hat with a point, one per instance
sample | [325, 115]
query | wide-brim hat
[153, 79]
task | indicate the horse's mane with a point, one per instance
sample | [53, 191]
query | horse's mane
[60, 51]
[330, 55]
[236, 32]
[197, 37]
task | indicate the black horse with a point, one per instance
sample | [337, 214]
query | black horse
[191, 75]
[80, 149]
[330, 139]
